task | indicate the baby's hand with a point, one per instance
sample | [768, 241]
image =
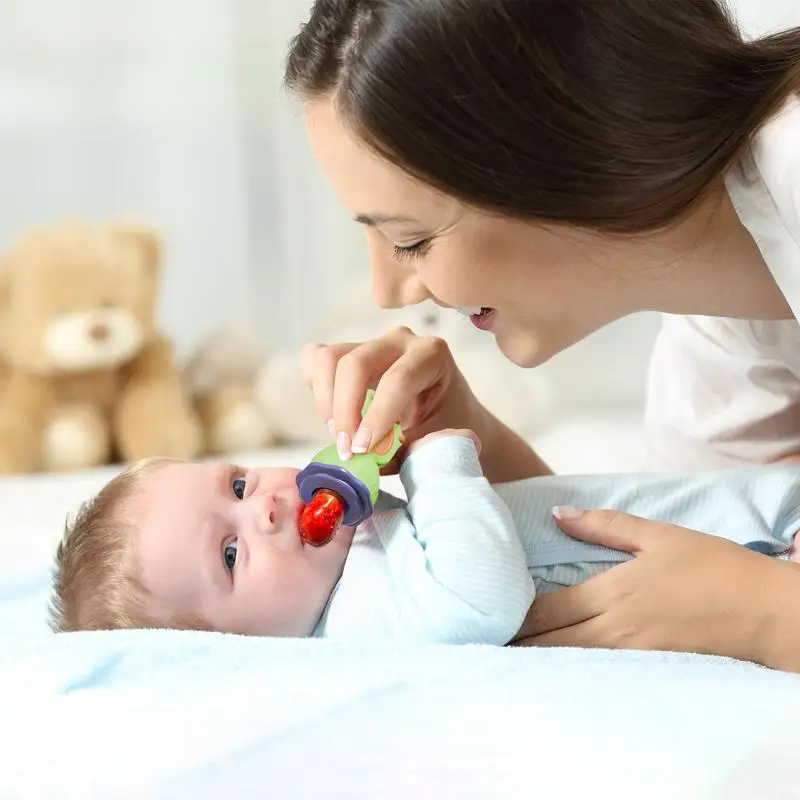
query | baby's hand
[465, 432]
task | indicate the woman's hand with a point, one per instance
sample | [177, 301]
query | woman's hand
[416, 381]
[415, 378]
[683, 591]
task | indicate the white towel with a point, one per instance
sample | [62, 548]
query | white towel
[182, 714]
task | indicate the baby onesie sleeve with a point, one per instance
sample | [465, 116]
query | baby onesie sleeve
[456, 565]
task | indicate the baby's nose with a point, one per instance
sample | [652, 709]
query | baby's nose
[263, 509]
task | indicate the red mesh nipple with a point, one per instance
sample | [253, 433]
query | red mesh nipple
[321, 517]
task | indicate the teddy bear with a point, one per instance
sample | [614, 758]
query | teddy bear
[247, 397]
[522, 399]
[219, 377]
[87, 376]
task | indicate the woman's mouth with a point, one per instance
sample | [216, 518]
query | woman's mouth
[483, 318]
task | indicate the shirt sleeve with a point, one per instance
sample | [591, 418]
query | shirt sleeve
[455, 559]
[721, 395]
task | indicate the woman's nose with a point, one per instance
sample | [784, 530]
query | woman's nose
[395, 285]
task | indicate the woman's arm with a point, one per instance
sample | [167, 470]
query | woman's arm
[779, 603]
[683, 591]
[718, 397]
[506, 456]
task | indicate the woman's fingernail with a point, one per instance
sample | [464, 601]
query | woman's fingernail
[343, 446]
[567, 512]
[361, 441]
[331, 428]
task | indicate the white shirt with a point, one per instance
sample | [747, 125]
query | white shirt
[726, 392]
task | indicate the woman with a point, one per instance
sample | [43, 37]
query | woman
[554, 166]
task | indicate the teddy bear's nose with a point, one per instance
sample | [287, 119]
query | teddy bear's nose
[99, 332]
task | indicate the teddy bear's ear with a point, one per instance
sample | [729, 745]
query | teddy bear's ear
[145, 240]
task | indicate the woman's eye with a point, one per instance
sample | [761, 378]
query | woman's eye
[238, 487]
[412, 251]
[229, 554]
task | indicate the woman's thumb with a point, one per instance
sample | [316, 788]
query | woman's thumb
[605, 527]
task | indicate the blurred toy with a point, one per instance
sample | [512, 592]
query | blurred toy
[248, 398]
[283, 396]
[89, 378]
[522, 399]
[340, 492]
[220, 378]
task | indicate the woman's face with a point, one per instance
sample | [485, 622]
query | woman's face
[547, 286]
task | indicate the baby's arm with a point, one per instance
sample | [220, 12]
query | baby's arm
[458, 568]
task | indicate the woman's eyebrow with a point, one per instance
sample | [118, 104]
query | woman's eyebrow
[373, 220]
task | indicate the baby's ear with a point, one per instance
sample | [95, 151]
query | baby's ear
[145, 240]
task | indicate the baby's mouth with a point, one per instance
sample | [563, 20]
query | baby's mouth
[321, 518]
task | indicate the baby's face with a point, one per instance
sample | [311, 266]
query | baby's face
[223, 543]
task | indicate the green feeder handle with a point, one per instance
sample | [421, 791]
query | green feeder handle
[355, 482]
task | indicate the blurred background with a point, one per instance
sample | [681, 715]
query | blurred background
[172, 110]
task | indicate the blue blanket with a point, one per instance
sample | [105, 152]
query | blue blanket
[184, 714]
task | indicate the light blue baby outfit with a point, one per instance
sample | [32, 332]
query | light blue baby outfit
[461, 561]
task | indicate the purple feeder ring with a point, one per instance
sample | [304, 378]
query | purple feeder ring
[354, 494]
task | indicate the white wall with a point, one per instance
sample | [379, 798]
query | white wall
[305, 247]
[173, 110]
[109, 107]
[758, 17]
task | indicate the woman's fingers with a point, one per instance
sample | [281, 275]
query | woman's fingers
[358, 370]
[611, 528]
[319, 363]
[568, 607]
[590, 633]
[404, 389]
[410, 374]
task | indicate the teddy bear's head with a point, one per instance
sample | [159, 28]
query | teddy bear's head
[76, 296]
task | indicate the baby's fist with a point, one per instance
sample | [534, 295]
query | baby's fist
[446, 432]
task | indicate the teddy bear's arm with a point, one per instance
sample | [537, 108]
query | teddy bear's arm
[154, 361]
[25, 405]
[153, 416]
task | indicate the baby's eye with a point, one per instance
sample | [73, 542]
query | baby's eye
[238, 487]
[229, 554]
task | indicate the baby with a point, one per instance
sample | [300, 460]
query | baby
[215, 547]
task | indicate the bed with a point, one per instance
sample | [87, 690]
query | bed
[168, 714]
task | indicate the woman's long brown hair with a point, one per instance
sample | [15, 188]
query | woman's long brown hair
[615, 115]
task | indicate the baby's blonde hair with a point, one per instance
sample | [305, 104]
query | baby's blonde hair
[97, 584]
